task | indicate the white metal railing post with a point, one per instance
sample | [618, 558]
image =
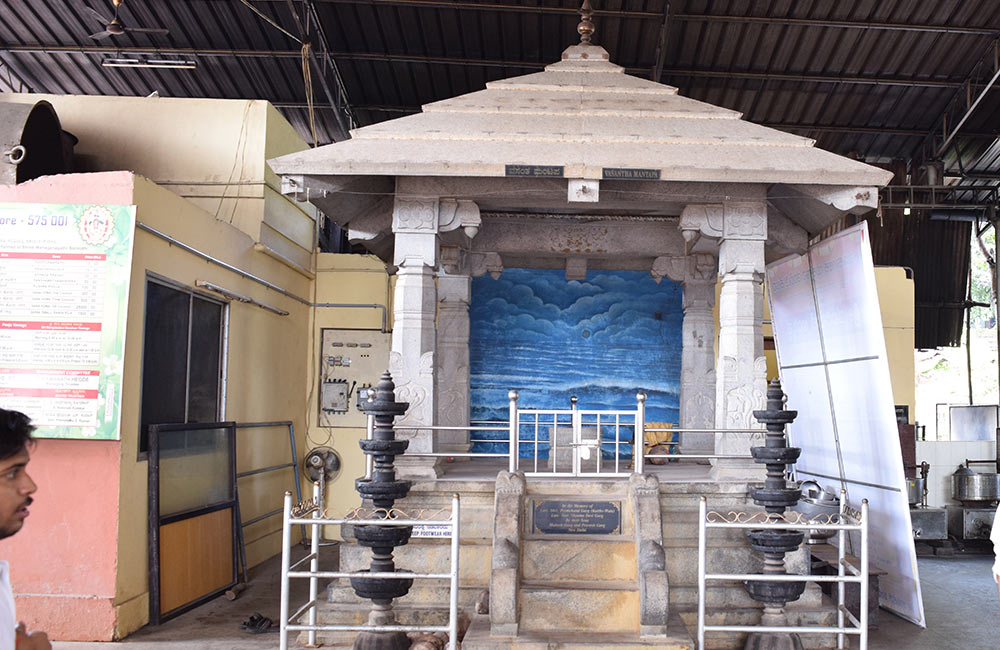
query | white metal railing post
[639, 437]
[848, 520]
[577, 436]
[286, 551]
[863, 642]
[514, 427]
[453, 595]
[841, 586]
[369, 434]
[314, 531]
[702, 514]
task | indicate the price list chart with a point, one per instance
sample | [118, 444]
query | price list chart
[59, 274]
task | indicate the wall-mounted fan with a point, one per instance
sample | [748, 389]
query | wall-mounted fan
[114, 27]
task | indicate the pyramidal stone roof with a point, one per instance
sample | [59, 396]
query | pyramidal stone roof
[587, 117]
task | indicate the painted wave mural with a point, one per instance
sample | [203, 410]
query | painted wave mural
[602, 339]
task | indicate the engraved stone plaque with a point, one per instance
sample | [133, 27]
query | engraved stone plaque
[575, 517]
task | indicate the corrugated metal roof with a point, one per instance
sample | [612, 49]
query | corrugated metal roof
[877, 79]
[870, 77]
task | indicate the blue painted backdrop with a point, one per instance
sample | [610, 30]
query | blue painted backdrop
[603, 340]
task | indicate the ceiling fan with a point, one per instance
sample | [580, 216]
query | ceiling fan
[114, 27]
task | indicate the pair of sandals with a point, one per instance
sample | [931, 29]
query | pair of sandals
[258, 624]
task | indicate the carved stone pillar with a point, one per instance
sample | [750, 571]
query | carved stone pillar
[411, 360]
[741, 370]
[452, 373]
[697, 400]
[697, 274]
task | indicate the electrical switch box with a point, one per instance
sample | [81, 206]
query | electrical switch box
[334, 396]
[351, 361]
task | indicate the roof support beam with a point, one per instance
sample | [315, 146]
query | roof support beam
[337, 99]
[661, 47]
[653, 15]
[962, 105]
[456, 61]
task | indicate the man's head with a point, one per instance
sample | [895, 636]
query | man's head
[16, 487]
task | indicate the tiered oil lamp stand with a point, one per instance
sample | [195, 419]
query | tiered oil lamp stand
[382, 490]
[775, 496]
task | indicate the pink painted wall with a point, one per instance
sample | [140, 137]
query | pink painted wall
[64, 560]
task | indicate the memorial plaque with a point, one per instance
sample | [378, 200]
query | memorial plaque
[583, 517]
[536, 171]
[630, 174]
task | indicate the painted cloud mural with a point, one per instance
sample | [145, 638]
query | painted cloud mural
[602, 340]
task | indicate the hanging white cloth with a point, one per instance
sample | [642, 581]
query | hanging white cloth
[995, 538]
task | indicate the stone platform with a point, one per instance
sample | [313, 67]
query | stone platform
[582, 593]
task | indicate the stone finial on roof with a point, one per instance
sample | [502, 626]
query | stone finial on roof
[586, 26]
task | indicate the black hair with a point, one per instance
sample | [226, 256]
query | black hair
[15, 432]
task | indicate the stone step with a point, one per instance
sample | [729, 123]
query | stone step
[478, 638]
[428, 555]
[423, 593]
[576, 487]
[682, 561]
[796, 615]
[581, 606]
[734, 595]
[578, 560]
[357, 614]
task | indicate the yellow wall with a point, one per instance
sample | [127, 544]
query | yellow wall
[267, 379]
[896, 300]
[217, 161]
[353, 279]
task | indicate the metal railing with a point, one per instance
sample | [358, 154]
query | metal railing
[545, 429]
[858, 575]
[295, 516]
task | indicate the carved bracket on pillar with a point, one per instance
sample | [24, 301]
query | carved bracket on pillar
[483, 263]
[682, 268]
[729, 220]
[456, 213]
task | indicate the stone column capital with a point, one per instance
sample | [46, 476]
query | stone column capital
[742, 257]
[728, 220]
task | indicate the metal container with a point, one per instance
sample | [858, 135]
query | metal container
[971, 488]
[915, 490]
[929, 523]
[816, 501]
[970, 523]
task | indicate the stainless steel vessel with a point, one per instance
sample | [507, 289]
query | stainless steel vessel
[816, 501]
[971, 488]
[915, 490]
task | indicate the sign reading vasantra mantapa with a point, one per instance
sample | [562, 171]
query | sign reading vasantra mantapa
[630, 174]
[583, 517]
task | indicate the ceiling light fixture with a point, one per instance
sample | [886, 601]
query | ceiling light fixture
[121, 62]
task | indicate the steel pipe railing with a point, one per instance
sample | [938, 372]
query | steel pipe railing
[858, 625]
[316, 520]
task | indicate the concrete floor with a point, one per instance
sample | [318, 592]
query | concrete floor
[216, 624]
[960, 604]
[960, 599]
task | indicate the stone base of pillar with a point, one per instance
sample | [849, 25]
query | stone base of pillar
[697, 443]
[773, 641]
[416, 467]
[736, 469]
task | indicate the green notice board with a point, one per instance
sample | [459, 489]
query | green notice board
[63, 301]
